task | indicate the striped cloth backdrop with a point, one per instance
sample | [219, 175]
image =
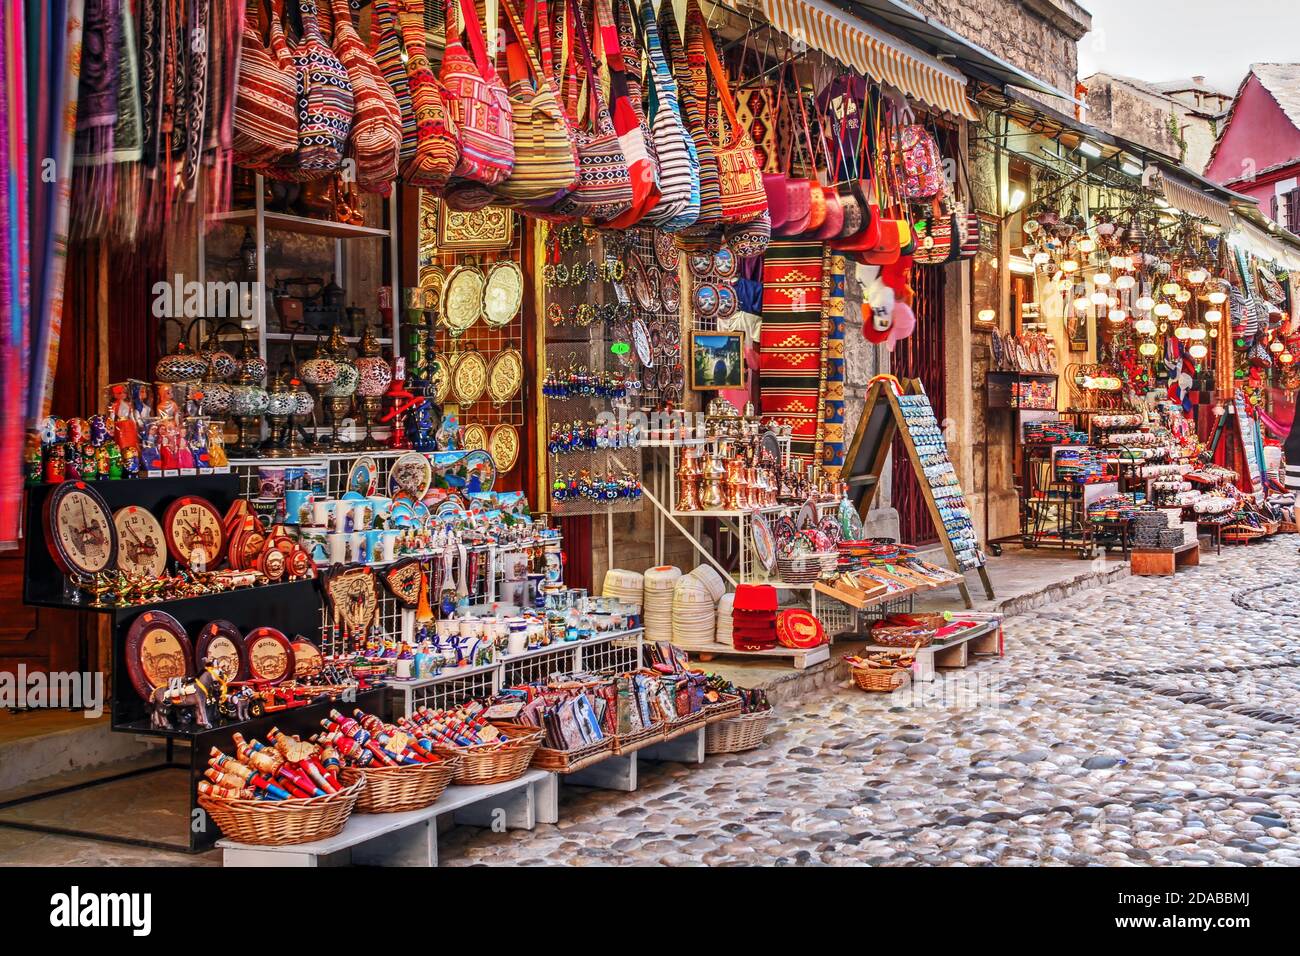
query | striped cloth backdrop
[790, 346]
[831, 422]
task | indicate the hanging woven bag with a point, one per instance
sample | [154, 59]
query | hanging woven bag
[386, 47]
[691, 71]
[325, 100]
[437, 135]
[480, 102]
[679, 166]
[266, 99]
[376, 136]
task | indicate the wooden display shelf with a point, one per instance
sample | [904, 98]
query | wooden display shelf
[956, 651]
[1161, 562]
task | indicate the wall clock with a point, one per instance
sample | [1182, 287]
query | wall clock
[157, 650]
[195, 535]
[270, 655]
[221, 641]
[141, 544]
[79, 529]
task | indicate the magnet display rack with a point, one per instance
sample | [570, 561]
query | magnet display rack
[883, 418]
[293, 607]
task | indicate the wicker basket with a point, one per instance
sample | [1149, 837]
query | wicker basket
[735, 734]
[496, 762]
[901, 636]
[571, 761]
[725, 708]
[880, 679]
[284, 822]
[627, 743]
[409, 787]
[1239, 534]
[684, 725]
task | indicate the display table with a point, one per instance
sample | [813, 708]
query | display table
[410, 838]
[1156, 562]
[984, 640]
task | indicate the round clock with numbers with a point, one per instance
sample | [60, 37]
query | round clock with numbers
[196, 537]
[79, 529]
[141, 544]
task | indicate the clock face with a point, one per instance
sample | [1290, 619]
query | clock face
[195, 536]
[224, 645]
[141, 545]
[80, 533]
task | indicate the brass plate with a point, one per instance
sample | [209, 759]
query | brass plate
[475, 438]
[503, 293]
[462, 299]
[505, 376]
[504, 446]
[469, 377]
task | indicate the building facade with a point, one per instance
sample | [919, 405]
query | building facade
[1180, 118]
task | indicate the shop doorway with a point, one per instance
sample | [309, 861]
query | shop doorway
[921, 355]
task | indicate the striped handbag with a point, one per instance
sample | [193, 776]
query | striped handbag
[627, 117]
[546, 156]
[691, 69]
[480, 103]
[639, 88]
[604, 189]
[377, 124]
[437, 149]
[740, 178]
[679, 166]
[386, 47]
[266, 100]
[325, 100]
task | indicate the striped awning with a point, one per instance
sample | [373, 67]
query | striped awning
[872, 52]
[1195, 201]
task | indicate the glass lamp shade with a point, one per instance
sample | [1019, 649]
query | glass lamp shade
[1196, 333]
[1117, 315]
[252, 368]
[221, 364]
[1198, 351]
[1101, 278]
[1196, 276]
[180, 366]
[1125, 282]
[1163, 308]
[1275, 347]
[303, 403]
[319, 371]
[1145, 303]
[1182, 332]
[375, 375]
[248, 400]
[345, 382]
[1145, 326]
[280, 402]
[1212, 316]
[1148, 349]
[216, 398]
[1217, 298]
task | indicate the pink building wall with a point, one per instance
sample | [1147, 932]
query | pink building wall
[1259, 136]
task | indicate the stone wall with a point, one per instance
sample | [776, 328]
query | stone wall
[1134, 114]
[1038, 36]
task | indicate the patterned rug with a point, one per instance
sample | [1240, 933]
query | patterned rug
[791, 343]
[831, 431]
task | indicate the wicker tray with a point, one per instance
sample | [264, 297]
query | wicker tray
[394, 789]
[1287, 527]
[806, 569]
[735, 734]
[627, 743]
[496, 762]
[882, 680]
[901, 637]
[571, 761]
[724, 709]
[284, 822]
[684, 725]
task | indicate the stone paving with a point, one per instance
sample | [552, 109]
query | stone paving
[1149, 722]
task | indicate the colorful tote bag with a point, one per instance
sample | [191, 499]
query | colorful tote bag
[679, 169]
[437, 142]
[266, 99]
[546, 157]
[740, 180]
[627, 116]
[922, 173]
[604, 189]
[377, 124]
[690, 67]
[756, 106]
[325, 99]
[479, 101]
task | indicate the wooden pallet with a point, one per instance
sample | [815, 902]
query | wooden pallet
[1156, 562]
[802, 657]
[957, 651]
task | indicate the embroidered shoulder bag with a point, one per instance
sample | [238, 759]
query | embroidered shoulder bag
[679, 166]
[377, 124]
[266, 100]
[479, 102]
[325, 100]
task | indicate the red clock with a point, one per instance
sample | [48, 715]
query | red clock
[196, 536]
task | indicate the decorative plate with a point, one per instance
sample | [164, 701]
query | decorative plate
[639, 283]
[307, 658]
[196, 536]
[724, 262]
[221, 641]
[474, 437]
[505, 376]
[469, 377]
[462, 299]
[666, 253]
[701, 264]
[363, 478]
[504, 446]
[141, 544]
[784, 530]
[79, 529]
[440, 377]
[270, 655]
[432, 281]
[411, 474]
[764, 543]
[771, 444]
[807, 516]
[670, 293]
[451, 510]
[503, 293]
[727, 301]
[479, 470]
[157, 649]
[641, 342]
[706, 299]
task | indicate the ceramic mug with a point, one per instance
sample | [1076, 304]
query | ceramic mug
[322, 511]
[337, 547]
[298, 507]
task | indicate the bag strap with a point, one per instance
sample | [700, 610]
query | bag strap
[473, 32]
[719, 74]
[592, 81]
[521, 38]
[803, 115]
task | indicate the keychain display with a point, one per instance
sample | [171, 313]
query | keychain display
[580, 485]
[580, 382]
[570, 437]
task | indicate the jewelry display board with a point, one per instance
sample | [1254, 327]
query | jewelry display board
[910, 415]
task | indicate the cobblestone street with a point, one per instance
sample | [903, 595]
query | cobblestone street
[1152, 721]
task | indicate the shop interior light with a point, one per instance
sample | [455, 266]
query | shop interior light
[1286, 358]
[1041, 258]
[1117, 315]
[1021, 266]
[1198, 351]
[1162, 308]
[1212, 316]
[1016, 200]
[1276, 346]
[1196, 333]
[1069, 265]
[1175, 314]
[1125, 282]
[1196, 276]
[1183, 333]
[1145, 326]
[1090, 149]
[1081, 305]
[1182, 295]
[1087, 245]
[1217, 297]
[1101, 278]
[1170, 288]
[1100, 298]
[1148, 349]
[1145, 303]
